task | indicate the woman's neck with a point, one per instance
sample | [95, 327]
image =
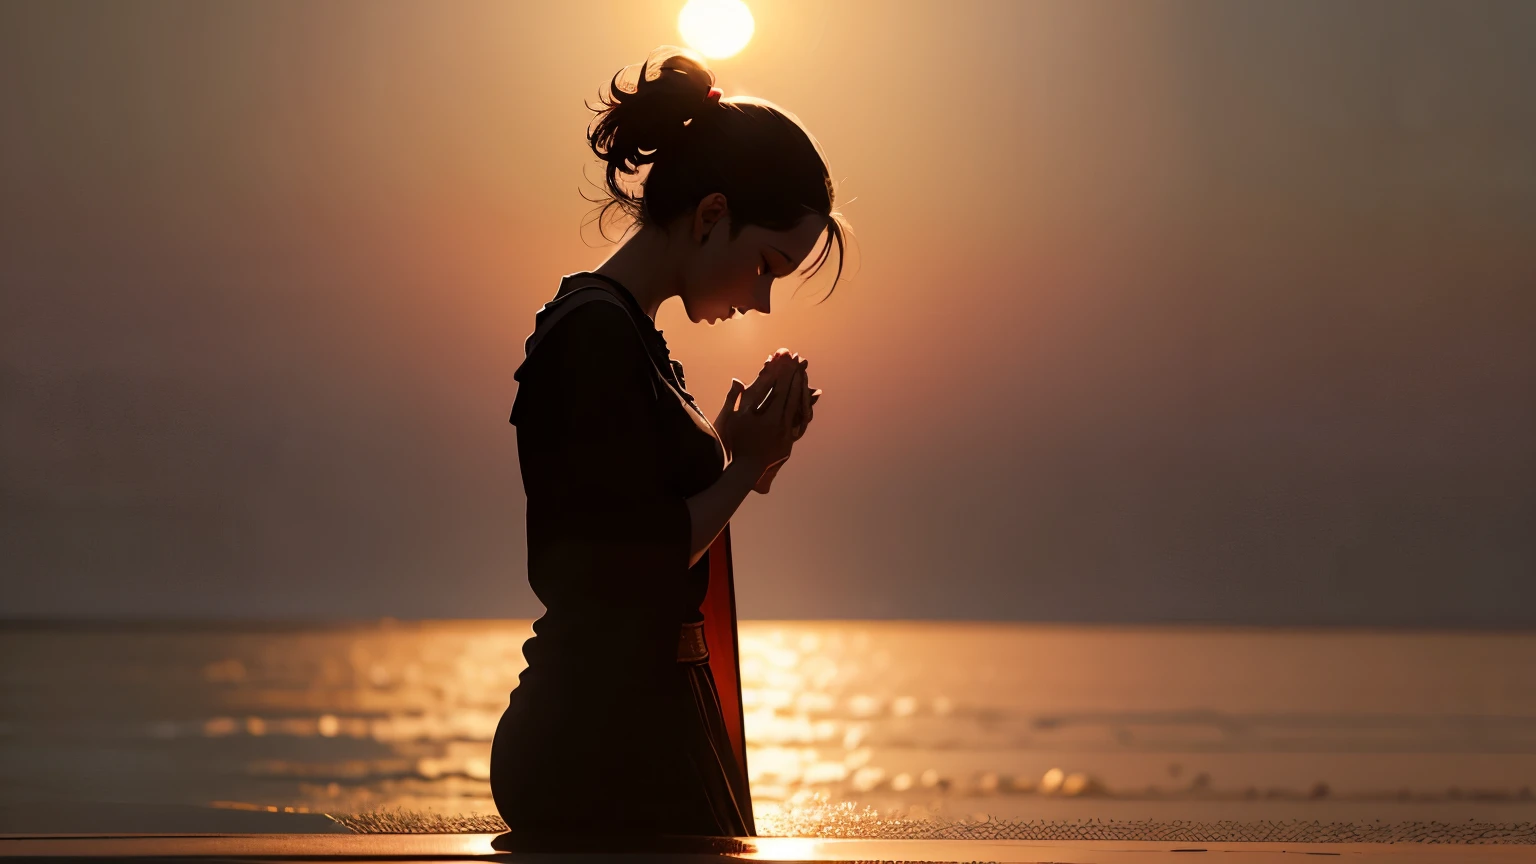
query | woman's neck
[645, 264]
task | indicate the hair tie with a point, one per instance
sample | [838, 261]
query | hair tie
[714, 95]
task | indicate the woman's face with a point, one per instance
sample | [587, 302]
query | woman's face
[728, 275]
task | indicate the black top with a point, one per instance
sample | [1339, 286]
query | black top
[611, 445]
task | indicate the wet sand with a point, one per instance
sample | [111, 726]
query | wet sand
[42, 818]
[234, 847]
[129, 831]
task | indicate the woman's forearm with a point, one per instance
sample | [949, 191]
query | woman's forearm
[710, 510]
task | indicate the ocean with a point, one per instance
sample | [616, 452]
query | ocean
[904, 720]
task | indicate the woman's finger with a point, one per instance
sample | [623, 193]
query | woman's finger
[727, 411]
[793, 398]
[775, 357]
[801, 408]
[774, 398]
[752, 397]
[805, 399]
[756, 393]
[776, 378]
[731, 396]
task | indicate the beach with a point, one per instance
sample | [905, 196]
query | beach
[884, 730]
[469, 847]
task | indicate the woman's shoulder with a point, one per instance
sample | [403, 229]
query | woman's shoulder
[582, 317]
[591, 350]
[591, 344]
[591, 331]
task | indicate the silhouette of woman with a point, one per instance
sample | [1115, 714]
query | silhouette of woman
[628, 717]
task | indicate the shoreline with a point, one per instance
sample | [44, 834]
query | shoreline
[235, 847]
[34, 820]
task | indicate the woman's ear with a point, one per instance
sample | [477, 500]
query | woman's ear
[711, 211]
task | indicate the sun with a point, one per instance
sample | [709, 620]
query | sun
[716, 28]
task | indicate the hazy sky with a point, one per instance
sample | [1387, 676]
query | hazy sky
[1215, 311]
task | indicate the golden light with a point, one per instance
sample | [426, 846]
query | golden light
[716, 28]
[788, 848]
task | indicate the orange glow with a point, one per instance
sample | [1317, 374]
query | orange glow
[716, 28]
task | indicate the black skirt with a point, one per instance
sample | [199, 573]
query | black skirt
[634, 760]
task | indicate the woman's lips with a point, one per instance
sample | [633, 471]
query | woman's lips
[735, 311]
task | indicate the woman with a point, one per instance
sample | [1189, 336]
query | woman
[628, 717]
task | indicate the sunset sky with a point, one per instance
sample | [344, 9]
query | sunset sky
[1201, 311]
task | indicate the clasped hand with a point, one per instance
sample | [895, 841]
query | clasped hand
[772, 414]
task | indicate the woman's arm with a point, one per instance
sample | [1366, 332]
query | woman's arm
[765, 438]
[710, 510]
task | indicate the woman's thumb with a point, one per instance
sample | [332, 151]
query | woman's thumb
[733, 394]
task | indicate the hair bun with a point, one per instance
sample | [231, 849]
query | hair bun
[633, 125]
[667, 118]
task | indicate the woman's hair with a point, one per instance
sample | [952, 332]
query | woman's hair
[770, 169]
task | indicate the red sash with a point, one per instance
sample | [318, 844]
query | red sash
[719, 610]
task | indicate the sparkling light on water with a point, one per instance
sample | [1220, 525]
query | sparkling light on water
[846, 721]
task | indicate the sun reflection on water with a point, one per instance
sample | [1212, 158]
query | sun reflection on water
[845, 721]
